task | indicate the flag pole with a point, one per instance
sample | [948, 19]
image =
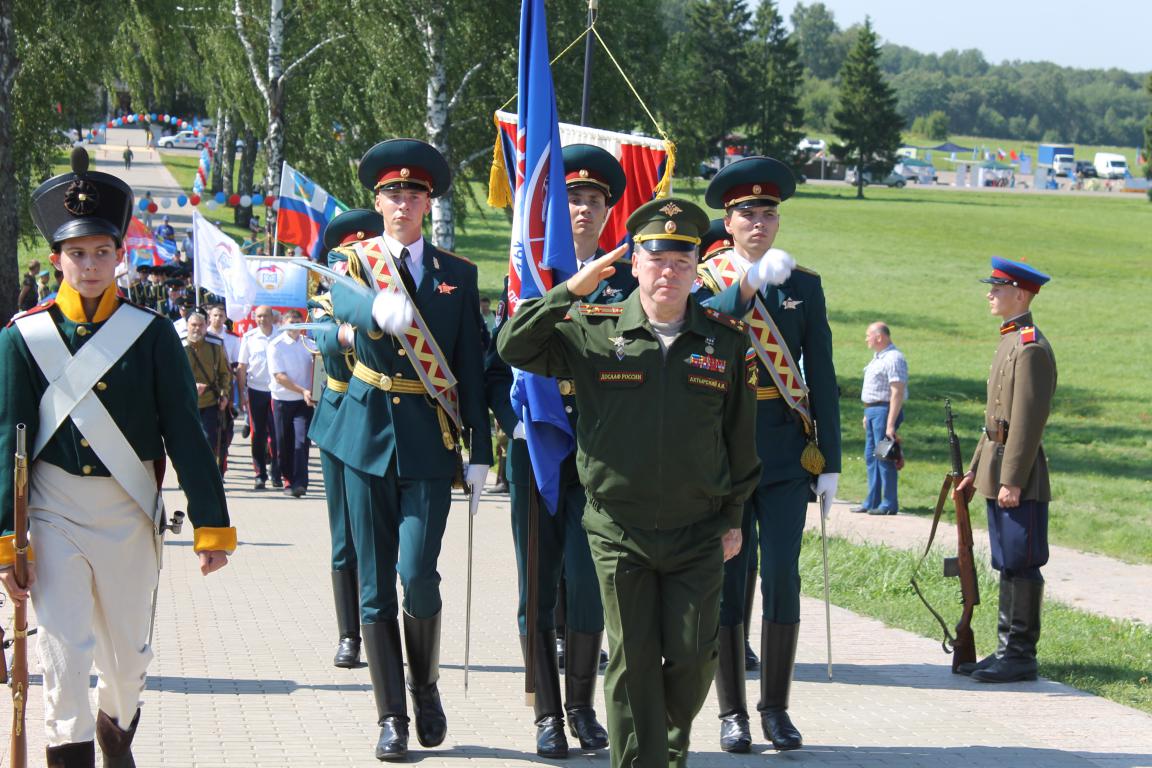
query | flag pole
[593, 5]
[279, 196]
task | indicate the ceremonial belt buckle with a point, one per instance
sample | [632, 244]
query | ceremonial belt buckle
[387, 383]
[337, 386]
[567, 387]
[767, 393]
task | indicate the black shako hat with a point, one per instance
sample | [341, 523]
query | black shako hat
[82, 203]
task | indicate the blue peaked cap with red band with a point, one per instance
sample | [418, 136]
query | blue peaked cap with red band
[1017, 273]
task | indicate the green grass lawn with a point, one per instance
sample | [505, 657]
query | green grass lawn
[1102, 656]
[913, 258]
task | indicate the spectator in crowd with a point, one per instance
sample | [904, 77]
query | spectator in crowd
[128, 156]
[28, 291]
[883, 394]
[218, 325]
[188, 245]
[290, 363]
[166, 231]
[171, 306]
[209, 365]
[148, 210]
[256, 393]
[43, 288]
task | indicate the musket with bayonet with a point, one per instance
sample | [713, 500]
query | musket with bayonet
[962, 644]
[19, 676]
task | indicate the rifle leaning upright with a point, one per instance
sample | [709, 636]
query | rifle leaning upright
[962, 646]
[19, 681]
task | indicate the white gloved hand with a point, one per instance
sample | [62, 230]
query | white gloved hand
[519, 433]
[475, 475]
[827, 484]
[392, 311]
[773, 268]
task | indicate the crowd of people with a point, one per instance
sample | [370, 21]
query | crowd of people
[706, 336]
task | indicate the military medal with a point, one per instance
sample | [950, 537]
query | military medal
[618, 342]
[710, 345]
[707, 363]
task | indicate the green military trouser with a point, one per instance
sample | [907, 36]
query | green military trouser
[343, 548]
[661, 591]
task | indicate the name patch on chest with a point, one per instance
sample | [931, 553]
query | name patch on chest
[621, 377]
[716, 385]
[707, 363]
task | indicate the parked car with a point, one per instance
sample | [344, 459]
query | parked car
[707, 171]
[183, 140]
[1064, 165]
[1110, 165]
[1085, 169]
[811, 145]
[893, 179]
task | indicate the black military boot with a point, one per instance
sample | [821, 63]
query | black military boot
[1003, 621]
[386, 668]
[116, 744]
[735, 734]
[1019, 659]
[751, 663]
[80, 754]
[346, 591]
[777, 656]
[580, 686]
[550, 739]
[422, 639]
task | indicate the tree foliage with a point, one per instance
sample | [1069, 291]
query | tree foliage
[866, 120]
[778, 120]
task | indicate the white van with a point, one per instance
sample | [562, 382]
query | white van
[1110, 165]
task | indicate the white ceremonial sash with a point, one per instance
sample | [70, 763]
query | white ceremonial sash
[70, 395]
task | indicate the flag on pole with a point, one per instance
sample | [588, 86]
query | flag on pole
[141, 246]
[541, 253]
[646, 162]
[221, 268]
[305, 210]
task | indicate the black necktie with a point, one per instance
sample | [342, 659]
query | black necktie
[406, 272]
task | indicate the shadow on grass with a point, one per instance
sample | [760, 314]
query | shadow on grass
[896, 319]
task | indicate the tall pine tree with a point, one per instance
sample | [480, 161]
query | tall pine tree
[777, 77]
[866, 119]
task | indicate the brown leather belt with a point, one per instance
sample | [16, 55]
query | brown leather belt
[388, 383]
[877, 404]
[337, 386]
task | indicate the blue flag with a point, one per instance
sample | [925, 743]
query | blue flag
[542, 254]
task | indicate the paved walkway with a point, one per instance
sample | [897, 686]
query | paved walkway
[242, 675]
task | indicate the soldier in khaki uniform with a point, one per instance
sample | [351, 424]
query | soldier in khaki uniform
[1010, 470]
[653, 374]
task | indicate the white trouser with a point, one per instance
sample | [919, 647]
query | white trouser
[95, 571]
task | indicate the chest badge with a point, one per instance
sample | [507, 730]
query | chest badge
[445, 288]
[707, 363]
[436, 263]
[610, 291]
[618, 342]
[710, 345]
[791, 303]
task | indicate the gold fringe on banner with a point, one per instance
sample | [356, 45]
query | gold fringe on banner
[499, 192]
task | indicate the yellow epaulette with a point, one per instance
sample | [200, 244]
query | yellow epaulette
[599, 310]
[719, 317]
[805, 270]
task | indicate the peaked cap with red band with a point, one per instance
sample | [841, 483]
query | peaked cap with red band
[405, 164]
[352, 226]
[586, 165]
[750, 182]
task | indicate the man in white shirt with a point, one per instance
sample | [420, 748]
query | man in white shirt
[290, 364]
[256, 392]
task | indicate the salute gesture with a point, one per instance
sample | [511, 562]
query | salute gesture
[585, 281]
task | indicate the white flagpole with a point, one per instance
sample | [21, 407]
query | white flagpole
[279, 197]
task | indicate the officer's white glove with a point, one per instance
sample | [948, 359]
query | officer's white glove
[474, 477]
[519, 433]
[827, 484]
[392, 311]
[773, 269]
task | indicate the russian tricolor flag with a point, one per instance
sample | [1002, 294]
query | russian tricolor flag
[305, 210]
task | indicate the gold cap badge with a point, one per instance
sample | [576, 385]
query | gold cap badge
[757, 189]
[405, 173]
[670, 226]
[583, 173]
[671, 209]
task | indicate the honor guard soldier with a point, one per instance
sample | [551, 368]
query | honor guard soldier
[797, 437]
[105, 391]
[1010, 470]
[595, 183]
[418, 384]
[339, 360]
[653, 375]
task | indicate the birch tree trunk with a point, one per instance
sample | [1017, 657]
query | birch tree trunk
[226, 157]
[247, 173]
[9, 194]
[274, 144]
[218, 152]
[432, 24]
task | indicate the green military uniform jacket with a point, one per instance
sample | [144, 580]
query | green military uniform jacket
[1021, 385]
[798, 308]
[209, 364]
[662, 442]
[149, 393]
[338, 364]
[372, 422]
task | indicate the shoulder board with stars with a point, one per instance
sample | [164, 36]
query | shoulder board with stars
[599, 310]
[46, 304]
[1028, 334]
[805, 270]
[719, 317]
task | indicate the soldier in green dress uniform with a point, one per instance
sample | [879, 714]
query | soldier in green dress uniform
[397, 429]
[595, 183]
[792, 432]
[1010, 470]
[339, 359]
[652, 375]
[121, 397]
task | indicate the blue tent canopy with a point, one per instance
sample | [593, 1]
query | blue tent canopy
[950, 147]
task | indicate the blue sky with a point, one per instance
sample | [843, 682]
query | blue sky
[1097, 34]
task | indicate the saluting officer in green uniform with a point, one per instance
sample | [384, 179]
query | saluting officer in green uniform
[397, 426]
[105, 391]
[595, 183]
[794, 428]
[1010, 470]
[666, 454]
[349, 227]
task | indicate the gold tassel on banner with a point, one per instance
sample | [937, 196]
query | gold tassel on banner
[664, 188]
[499, 193]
